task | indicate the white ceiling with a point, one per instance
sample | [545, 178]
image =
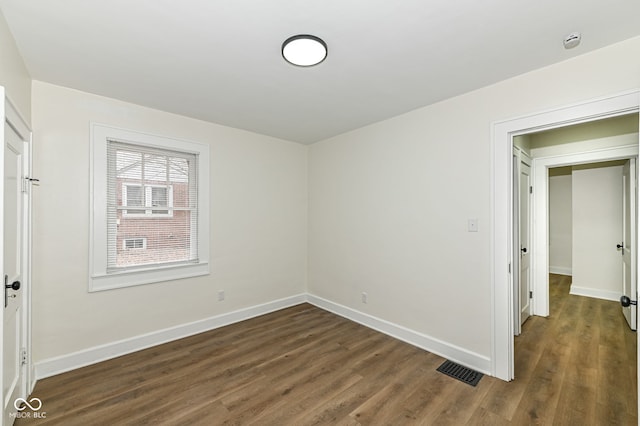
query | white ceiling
[220, 60]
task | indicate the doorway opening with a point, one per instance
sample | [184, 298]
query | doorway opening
[587, 206]
[502, 236]
[576, 146]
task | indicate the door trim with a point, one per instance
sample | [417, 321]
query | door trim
[541, 211]
[502, 356]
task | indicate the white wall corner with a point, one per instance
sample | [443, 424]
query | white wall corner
[595, 293]
[446, 350]
[53, 366]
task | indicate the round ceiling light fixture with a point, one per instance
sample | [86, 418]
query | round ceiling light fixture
[304, 50]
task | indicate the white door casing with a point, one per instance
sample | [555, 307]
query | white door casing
[540, 202]
[502, 315]
[629, 244]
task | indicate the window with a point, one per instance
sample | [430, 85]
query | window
[137, 195]
[149, 218]
[134, 243]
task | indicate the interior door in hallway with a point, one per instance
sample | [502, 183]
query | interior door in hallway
[628, 245]
[525, 239]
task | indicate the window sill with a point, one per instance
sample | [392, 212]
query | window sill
[146, 276]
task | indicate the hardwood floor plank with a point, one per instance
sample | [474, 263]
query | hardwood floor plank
[484, 417]
[377, 369]
[459, 410]
[577, 401]
[411, 373]
[504, 398]
[541, 395]
[306, 366]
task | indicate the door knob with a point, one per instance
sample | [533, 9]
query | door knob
[524, 249]
[619, 246]
[13, 286]
[625, 301]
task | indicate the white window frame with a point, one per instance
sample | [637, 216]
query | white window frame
[144, 243]
[148, 204]
[99, 278]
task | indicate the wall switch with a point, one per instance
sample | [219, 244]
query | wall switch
[364, 297]
[220, 295]
[472, 225]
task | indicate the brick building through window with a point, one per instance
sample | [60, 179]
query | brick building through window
[154, 203]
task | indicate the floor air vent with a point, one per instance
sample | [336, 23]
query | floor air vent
[464, 374]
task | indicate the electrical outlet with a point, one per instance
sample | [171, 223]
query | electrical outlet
[220, 295]
[364, 297]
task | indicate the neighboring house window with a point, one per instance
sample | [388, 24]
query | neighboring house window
[137, 195]
[150, 209]
[134, 243]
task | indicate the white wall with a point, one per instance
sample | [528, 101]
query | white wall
[597, 228]
[387, 212]
[13, 73]
[258, 220]
[560, 223]
[389, 202]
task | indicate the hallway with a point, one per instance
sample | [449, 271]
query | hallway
[578, 366]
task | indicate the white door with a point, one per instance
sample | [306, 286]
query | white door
[517, 329]
[628, 249]
[12, 339]
[525, 238]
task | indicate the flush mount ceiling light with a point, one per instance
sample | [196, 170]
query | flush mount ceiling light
[304, 50]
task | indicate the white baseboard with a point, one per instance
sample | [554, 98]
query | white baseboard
[454, 353]
[52, 366]
[598, 294]
[560, 270]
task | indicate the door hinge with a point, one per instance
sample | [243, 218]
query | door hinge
[531, 190]
[509, 267]
[23, 356]
[530, 295]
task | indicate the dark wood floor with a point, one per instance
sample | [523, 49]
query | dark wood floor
[305, 366]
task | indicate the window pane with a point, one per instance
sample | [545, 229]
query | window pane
[159, 197]
[129, 165]
[134, 243]
[159, 231]
[155, 168]
[134, 196]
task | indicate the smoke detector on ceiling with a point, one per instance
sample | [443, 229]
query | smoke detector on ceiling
[572, 40]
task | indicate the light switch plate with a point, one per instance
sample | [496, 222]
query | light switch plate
[472, 225]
